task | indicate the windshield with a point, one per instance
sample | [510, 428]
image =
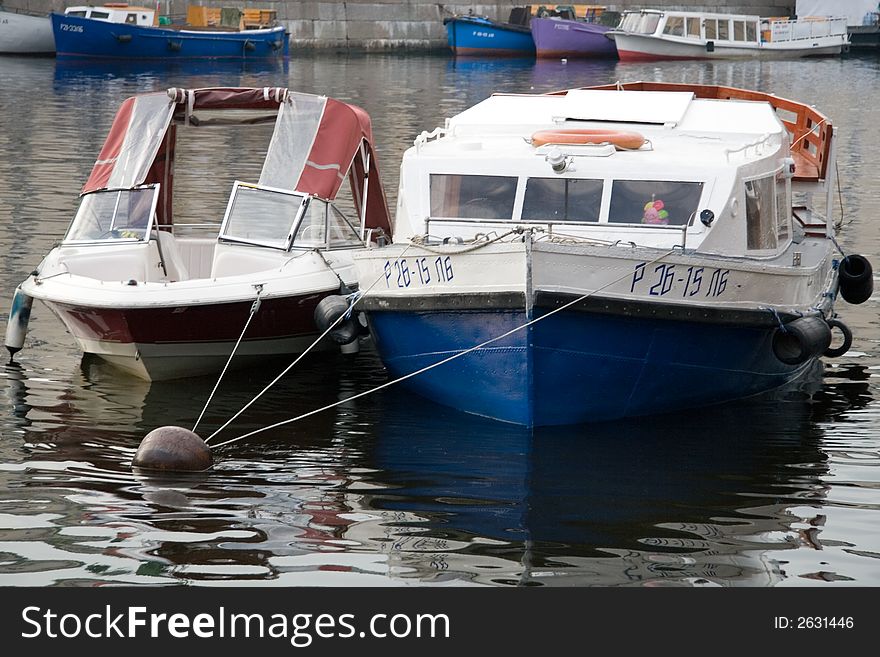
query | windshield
[122, 214]
[262, 216]
[639, 22]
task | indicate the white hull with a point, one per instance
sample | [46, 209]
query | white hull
[21, 34]
[637, 47]
[609, 273]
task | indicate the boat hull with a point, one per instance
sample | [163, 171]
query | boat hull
[648, 48]
[571, 39]
[576, 367]
[176, 341]
[21, 34]
[88, 38]
[542, 333]
[480, 36]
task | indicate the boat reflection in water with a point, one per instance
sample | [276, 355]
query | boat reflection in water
[717, 497]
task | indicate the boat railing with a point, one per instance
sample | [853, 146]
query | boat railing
[809, 28]
[811, 131]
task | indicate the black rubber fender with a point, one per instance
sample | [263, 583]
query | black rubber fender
[835, 352]
[801, 339]
[856, 278]
[328, 310]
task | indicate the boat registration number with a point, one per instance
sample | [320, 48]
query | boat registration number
[409, 272]
[668, 279]
[67, 27]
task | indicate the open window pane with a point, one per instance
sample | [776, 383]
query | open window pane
[562, 199]
[261, 216]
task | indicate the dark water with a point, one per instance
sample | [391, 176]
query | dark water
[391, 489]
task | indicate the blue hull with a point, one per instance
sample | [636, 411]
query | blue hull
[480, 36]
[576, 367]
[85, 37]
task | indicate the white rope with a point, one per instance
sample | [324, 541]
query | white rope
[437, 364]
[303, 354]
[255, 306]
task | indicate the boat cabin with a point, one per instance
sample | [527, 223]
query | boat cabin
[729, 29]
[115, 13]
[711, 176]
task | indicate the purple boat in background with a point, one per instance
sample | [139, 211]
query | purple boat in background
[558, 37]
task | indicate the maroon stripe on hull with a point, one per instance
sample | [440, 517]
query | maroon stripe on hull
[276, 318]
[635, 56]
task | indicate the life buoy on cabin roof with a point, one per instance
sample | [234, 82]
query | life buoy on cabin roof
[619, 138]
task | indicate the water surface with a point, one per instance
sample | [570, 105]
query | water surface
[391, 489]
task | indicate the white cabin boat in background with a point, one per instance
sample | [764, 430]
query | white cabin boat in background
[654, 35]
[25, 34]
[610, 252]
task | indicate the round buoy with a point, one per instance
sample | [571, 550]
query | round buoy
[173, 449]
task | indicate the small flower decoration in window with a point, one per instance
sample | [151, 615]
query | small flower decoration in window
[655, 214]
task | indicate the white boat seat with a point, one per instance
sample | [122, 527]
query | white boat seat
[174, 268]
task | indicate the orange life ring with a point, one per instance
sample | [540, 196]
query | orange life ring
[619, 138]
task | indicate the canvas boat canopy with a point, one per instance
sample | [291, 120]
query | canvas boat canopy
[317, 144]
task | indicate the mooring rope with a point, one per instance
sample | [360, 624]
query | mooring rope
[317, 341]
[448, 359]
[255, 306]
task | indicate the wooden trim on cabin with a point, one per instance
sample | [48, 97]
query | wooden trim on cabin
[810, 130]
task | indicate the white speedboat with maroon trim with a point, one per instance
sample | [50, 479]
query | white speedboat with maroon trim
[137, 291]
[609, 252]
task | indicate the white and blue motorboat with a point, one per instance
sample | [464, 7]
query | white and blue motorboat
[120, 31]
[614, 251]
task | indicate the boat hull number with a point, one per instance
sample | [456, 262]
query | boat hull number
[408, 272]
[677, 280]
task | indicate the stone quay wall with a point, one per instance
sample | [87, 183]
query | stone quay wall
[394, 24]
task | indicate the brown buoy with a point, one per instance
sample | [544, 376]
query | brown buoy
[173, 449]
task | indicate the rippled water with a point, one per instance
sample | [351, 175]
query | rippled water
[391, 489]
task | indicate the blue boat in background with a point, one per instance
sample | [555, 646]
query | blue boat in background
[478, 35]
[120, 31]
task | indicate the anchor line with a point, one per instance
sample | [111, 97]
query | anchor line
[317, 341]
[448, 359]
[255, 306]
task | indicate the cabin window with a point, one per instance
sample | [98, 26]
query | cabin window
[654, 203]
[751, 32]
[341, 230]
[562, 199]
[472, 197]
[101, 15]
[760, 214]
[674, 26]
[723, 30]
[261, 216]
[739, 30]
[113, 215]
[693, 27]
[78, 13]
[783, 209]
[710, 25]
[131, 19]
